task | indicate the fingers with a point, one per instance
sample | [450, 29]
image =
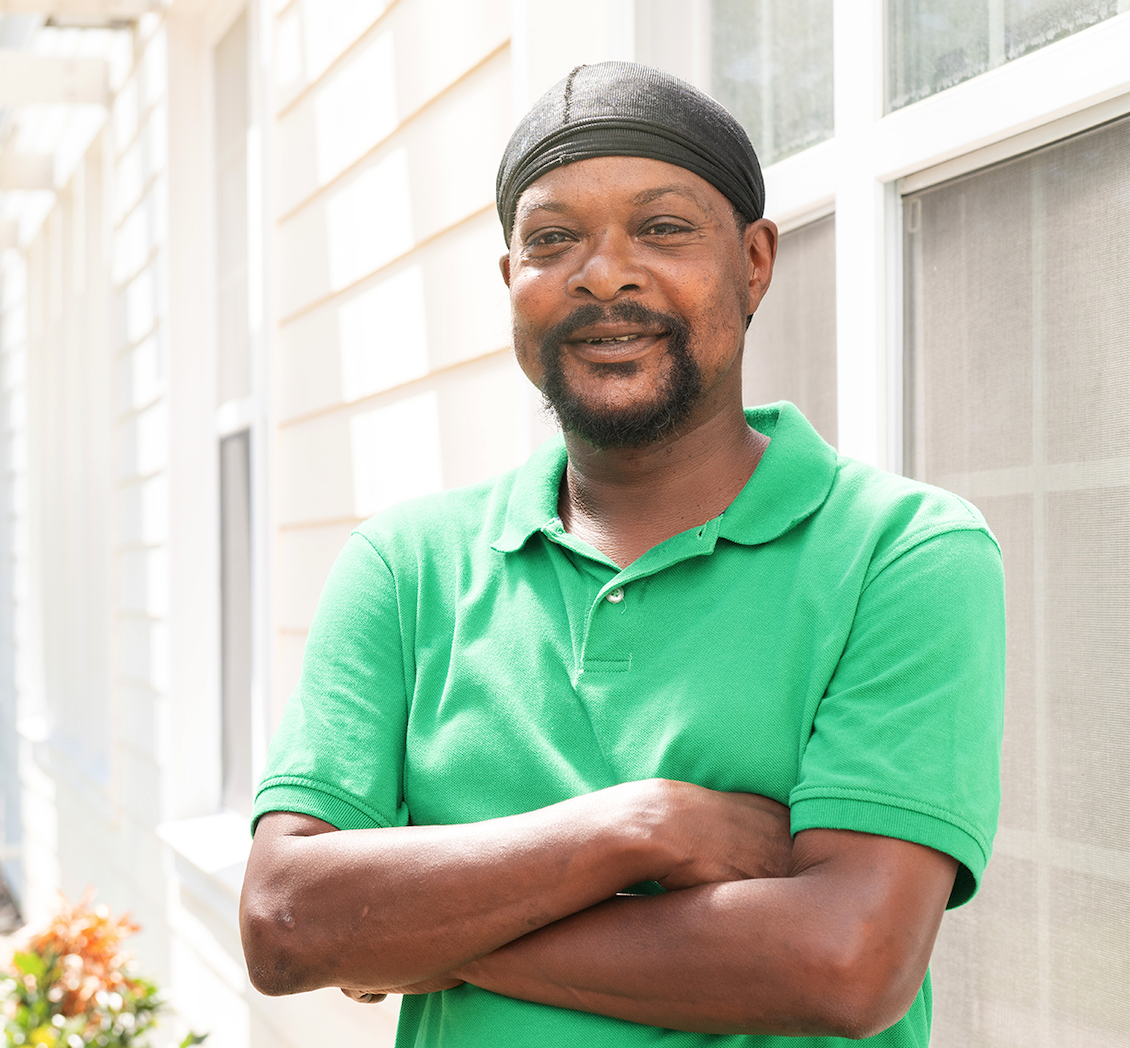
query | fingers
[364, 996]
[729, 836]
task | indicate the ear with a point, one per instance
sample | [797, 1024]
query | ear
[504, 265]
[760, 244]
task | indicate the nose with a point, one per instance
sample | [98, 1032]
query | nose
[606, 268]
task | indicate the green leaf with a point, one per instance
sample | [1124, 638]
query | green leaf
[29, 964]
[193, 1038]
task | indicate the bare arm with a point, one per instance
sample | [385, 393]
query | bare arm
[840, 947]
[393, 907]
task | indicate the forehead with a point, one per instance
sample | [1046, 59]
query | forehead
[624, 181]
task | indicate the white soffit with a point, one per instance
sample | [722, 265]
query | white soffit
[101, 9]
[27, 171]
[30, 79]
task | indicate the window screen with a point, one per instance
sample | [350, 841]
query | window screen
[235, 618]
[1018, 397]
[934, 44]
[790, 350]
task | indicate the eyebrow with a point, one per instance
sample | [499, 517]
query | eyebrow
[556, 206]
[648, 196]
[677, 188]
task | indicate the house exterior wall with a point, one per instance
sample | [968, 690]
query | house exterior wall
[379, 368]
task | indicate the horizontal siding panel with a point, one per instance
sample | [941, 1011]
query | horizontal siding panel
[311, 34]
[407, 321]
[415, 54]
[312, 471]
[140, 716]
[303, 558]
[141, 374]
[448, 430]
[286, 667]
[434, 172]
[143, 511]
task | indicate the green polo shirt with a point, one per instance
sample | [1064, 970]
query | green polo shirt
[833, 640]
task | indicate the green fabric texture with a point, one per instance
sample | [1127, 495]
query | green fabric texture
[834, 640]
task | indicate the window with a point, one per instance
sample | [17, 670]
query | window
[934, 44]
[1018, 397]
[791, 347]
[234, 396]
[771, 66]
[235, 616]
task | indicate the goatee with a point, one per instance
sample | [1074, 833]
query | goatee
[635, 425]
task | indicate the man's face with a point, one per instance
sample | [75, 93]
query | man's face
[630, 283]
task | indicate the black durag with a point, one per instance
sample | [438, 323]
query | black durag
[627, 109]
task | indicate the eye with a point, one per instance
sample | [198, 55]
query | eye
[548, 238]
[665, 227]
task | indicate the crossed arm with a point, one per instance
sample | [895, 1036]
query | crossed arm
[827, 934]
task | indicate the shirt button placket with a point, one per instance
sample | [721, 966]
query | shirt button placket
[615, 596]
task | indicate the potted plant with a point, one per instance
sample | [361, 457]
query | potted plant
[69, 987]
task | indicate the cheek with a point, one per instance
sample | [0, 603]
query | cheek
[535, 305]
[526, 337]
[717, 331]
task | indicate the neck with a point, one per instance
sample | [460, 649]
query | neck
[623, 501]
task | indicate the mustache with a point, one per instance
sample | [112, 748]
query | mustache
[623, 312]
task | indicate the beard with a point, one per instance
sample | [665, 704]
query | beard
[634, 425]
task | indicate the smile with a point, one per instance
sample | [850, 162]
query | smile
[620, 338]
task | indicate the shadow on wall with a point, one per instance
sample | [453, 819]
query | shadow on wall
[10, 918]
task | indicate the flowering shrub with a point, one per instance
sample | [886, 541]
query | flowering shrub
[70, 988]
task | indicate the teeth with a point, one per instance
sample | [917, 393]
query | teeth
[621, 338]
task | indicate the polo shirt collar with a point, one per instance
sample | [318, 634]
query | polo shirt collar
[533, 499]
[790, 483]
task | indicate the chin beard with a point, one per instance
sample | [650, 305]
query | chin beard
[635, 425]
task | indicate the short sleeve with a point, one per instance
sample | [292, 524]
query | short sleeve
[338, 754]
[906, 741]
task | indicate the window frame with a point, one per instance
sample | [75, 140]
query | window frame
[874, 158]
[248, 413]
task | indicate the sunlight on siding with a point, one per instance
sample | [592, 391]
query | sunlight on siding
[410, 430]
[383, 335]
[355, 108]
[369, 221]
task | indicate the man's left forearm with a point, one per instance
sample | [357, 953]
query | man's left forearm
[839, 949]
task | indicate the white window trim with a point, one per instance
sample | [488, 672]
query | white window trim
[250, 412]
[1075, 83]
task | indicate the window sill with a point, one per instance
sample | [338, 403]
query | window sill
[210, 852]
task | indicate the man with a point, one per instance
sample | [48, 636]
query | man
[688, 730]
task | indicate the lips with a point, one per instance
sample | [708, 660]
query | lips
[602, 347]
[613, 341]
[614, 335]
[608, 333]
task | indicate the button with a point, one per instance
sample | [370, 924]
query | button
[615, 596]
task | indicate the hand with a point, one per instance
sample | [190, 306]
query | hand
[722, 836]
[364, 996]
[440, 982]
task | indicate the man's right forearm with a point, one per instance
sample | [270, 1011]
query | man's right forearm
[392, 907]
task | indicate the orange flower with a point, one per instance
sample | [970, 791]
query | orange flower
[87, 943]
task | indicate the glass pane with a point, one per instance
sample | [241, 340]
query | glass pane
[771, 66]
[1018, 397]
[790, 351]
[235, 618]
[934, 44]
